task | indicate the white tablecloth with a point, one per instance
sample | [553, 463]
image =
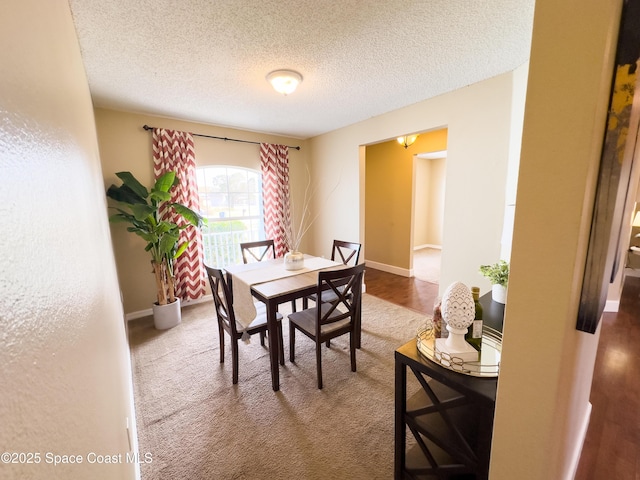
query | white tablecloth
[243, 302]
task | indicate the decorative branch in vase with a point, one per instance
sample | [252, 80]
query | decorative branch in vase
[293, 233]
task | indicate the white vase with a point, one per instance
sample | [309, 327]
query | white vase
[167, 316]
[499, 293]
[293, 260]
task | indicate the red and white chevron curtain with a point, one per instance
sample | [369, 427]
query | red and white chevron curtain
[274, 163]
[174, 151]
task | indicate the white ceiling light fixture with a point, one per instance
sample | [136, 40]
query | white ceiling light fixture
[284, 81]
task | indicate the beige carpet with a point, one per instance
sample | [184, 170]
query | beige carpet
[426, 264]
[197, 425]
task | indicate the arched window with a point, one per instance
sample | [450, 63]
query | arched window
[231, 200]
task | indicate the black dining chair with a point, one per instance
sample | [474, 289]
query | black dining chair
[222, 299]
[326, 320]
[257, 251]
[348, 253]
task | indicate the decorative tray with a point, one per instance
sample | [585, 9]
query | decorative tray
[488, 364]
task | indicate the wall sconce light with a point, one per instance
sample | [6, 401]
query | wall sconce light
[284, 81]
[407, 140]
[636, 220]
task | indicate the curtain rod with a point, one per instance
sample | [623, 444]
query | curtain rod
[147, 127]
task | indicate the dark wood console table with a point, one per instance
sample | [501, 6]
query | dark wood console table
[443, 419]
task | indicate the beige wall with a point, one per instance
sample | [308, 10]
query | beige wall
[421, 195]
[547, 365]
[124, 145]
[430, 179]
[388, 213]
[64, 359]
[479, 120]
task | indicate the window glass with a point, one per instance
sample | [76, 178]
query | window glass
[231, 200]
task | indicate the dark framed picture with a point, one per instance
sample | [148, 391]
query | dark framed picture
[603, 255]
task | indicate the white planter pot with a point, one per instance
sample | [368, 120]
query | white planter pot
[293, 260]
[167, 316]
[499, 294]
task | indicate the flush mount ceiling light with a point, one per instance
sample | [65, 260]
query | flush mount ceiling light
[407, 140]
[284, 81]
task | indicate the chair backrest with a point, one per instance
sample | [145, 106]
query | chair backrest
[346, 284]
[346, 252]
[222, 299]
[257, 251]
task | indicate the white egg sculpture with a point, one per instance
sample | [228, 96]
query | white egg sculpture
[458, 308]
[458, 311]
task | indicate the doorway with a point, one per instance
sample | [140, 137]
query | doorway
[390, 201]
[428, 214]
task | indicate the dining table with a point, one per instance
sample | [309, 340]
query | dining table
[270, 283]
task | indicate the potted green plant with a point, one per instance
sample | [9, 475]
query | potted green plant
[498, 275]
[141, 209]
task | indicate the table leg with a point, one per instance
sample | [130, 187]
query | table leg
[274, 347]
[359, 324]
[400, 428]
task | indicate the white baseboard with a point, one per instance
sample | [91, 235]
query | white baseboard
[577, 451]
[404, 272]
[631, 272]
[149, 311]
[612, 306]
[139, 314]
[427, 245]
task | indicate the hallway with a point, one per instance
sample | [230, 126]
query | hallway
[612, 446]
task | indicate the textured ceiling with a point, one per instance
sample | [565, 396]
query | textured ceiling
[206, 61]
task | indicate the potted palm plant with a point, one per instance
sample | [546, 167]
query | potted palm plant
[141, 209]
[498, 275]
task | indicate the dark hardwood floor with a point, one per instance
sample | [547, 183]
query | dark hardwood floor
[408, 292]
[612, 446]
